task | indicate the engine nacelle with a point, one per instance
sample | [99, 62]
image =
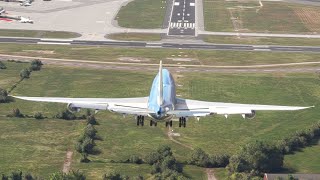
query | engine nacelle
[251, 115]
[72, 108]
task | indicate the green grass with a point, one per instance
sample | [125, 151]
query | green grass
[261, 40]
[216, 16]
[142, 14]
[135, 37]
[38, 34]
[42, 144]
[273, 17]
[153, 55]
[304, 161]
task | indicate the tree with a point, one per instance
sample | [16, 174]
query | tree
[36, 65]
[257, 157]
[199, 158]
[2, 65]
[25, 73]
[3, 96]
[66, 114]
[90, 131]
[91, 120]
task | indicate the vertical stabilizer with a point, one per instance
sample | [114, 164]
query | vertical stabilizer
[160, 86]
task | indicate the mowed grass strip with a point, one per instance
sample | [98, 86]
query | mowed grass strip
[154, 55]
[305, 161]
[122, 138]
[261, 40]
[135, 37]
[142, 14]
[216, 16]
[38, 34]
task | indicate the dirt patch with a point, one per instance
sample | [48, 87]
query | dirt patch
[39, 51]
[67, 162]
[210, 174]
[310, 18]
[132, 59]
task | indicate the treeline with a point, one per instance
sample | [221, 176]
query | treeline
[85, 145]
[257, 157]
[19, 175]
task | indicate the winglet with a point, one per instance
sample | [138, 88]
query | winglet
[160, 86]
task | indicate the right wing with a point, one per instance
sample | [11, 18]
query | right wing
[195, 108]
[134, 106]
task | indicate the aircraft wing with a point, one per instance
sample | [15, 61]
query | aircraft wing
[134, 106]
[189, 108]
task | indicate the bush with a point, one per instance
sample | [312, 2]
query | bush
[90, 131]
[2, 65]
[16, 113]
[199, 158]
[135, 159]
[25, 73]
[66, 114]
[112, 176]
[16, 175]
[3, 96]
[152, 158]
[91, 120]
[36, 65]
[38, 115]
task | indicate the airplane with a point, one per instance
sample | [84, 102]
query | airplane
[162, 105]
[26, 20]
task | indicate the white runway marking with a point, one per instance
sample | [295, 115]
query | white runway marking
[191, 4]
[176, 3]
[54, 43]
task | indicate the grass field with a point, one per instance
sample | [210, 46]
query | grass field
[274, 17]
[305, 161]
[38, 34]
[135, 37]
[142, 14]
[42, 144]
[148, 55]
[261, 40]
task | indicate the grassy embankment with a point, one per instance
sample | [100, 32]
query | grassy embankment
[40, 145]
[147, 55]
[38, 34]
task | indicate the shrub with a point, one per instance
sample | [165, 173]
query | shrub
[2, 65]
[16, 113]
[38, 115]
[66, 114]
[199, 158]
[36, 65]
[91, 120]
[25, 73]
[3, 96]
[135, 159]
[152, 158]
[90, 131]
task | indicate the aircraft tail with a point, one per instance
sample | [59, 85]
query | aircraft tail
[160, 86]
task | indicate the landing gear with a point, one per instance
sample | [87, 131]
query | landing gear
[140, 120]
[153, 123]
[169, 123]
[182, 121]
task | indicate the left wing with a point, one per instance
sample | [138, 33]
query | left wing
[187, 108]
[134, 106]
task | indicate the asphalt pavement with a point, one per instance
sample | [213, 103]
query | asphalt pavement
[182, 20]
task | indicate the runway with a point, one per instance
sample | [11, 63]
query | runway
[200, 46]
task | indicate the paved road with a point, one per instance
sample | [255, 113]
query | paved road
[232, 47]
[182, 20]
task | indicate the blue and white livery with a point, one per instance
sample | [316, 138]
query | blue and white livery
[162, 104]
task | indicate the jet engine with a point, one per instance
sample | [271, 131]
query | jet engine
[72, 108]
[251, 115]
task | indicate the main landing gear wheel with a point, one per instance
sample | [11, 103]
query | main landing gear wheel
[169, 123]
[153, 123]
[140, 120]
[182, 121]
